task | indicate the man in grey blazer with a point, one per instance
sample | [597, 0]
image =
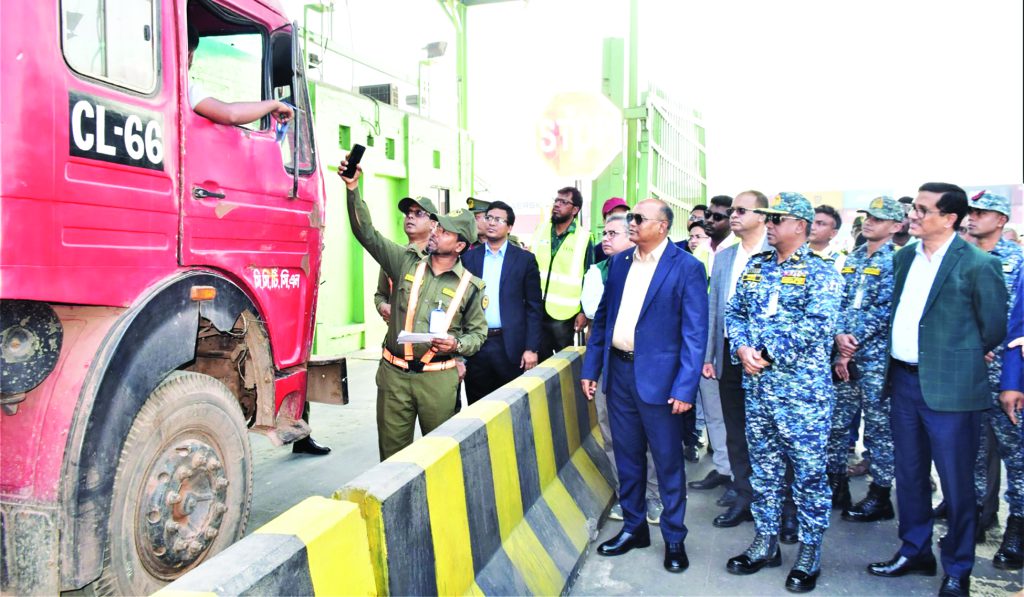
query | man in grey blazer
[750, 229]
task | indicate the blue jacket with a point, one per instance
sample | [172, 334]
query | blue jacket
[521, 306]
[1013, 362]
[671, 333]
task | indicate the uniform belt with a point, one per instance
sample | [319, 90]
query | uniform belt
[909, 367]
[622, 354]
[417, 366]
[493, 332]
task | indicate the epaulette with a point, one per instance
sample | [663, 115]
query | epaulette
[763, 254]
[828, 258]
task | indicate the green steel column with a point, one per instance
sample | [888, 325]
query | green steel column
[610, 183]
[631, 102]
[461, 56]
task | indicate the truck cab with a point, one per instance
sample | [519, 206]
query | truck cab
[158, 284]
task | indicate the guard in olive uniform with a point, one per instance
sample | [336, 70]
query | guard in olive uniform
[864, 322]
[1008, 436]
[479, 208]
[780, 323]
[430, 294]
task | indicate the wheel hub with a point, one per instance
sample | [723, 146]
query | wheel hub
[181, 507]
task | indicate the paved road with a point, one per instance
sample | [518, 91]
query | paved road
[283, 479]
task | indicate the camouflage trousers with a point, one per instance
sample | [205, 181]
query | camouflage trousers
[1010, 444]
[866, 393]
[797, 429]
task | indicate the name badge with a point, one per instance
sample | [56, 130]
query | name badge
[751, 277]
[872, 271]
[448, 292]
[410, 278]
[798, 280]
[848, 270]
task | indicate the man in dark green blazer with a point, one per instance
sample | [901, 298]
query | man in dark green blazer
[949, 310]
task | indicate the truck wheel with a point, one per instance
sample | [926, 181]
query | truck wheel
[183, 488]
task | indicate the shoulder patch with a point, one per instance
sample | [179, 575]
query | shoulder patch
[485, 301]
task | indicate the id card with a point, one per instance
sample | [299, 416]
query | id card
[858, 297]
[773, 304]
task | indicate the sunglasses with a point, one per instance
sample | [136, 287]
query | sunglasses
[417, 214]
[740, 211]
[776, 219]
[716, 216]
[639, 219]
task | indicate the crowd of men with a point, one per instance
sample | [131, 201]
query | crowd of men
[781, 342]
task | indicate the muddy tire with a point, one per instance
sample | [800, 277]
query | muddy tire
[183, 488]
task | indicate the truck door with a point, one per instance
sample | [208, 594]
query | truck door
[242, 209]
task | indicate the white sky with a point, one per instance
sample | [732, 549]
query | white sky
[795, 94]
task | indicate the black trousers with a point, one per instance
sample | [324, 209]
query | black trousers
[556, 334]
[489, 369]
[730, 388]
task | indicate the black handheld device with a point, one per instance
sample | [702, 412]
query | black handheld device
[353, 160]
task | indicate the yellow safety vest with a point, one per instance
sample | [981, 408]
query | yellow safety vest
[562, 278]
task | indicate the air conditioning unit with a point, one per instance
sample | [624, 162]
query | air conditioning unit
[387, 93]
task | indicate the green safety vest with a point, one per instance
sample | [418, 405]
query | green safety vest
[561, 277]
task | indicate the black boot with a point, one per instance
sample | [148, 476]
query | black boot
[308, 445]
[1011, 553]
[840, 485]
[984, 524]
[789, 530]
[804, 575]
[875, 506]
[764, 551]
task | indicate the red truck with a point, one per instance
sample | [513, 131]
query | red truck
[158, 283]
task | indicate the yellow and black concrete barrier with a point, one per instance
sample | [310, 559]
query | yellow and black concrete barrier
[502, 499]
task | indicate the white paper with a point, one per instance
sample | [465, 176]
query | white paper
[773, 304]
[405, 337]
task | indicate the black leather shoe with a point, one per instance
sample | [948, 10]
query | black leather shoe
[804, 575]
[939, 511]
[901, 566]
[624, 542]
[308, 445]
[763, 552]
[875, 506]
[728, 498]
[690, 454]
[711, 481]
[736, 515]
[1011, 551]
[675, 557]
[789, 530]
[953, 586]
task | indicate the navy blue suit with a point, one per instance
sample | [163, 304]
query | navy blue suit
[521, 311]
[670, 339]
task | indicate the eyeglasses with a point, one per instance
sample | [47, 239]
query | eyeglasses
[740, 211]
[417, 214]
[610, 233]
[495, 220]
[562, 202]
[922, 212]
[716, 216]
[639, 219]
[776, 219]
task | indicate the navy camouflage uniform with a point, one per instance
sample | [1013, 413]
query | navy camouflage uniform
[868, 321]
[1009, 438]
[789, 404]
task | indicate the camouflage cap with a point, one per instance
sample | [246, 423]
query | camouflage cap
[991, 202]
[422, 202]
[459, 221]
[477, 205]
[884, 208]
[789, 204]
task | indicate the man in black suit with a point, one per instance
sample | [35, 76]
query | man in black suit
[512, 306]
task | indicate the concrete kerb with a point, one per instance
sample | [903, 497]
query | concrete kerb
[503, 498]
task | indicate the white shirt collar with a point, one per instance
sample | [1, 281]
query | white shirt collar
[937, 255]
[655, 255]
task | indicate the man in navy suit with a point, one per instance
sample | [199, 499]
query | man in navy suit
[513, 307]
[650, 344]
